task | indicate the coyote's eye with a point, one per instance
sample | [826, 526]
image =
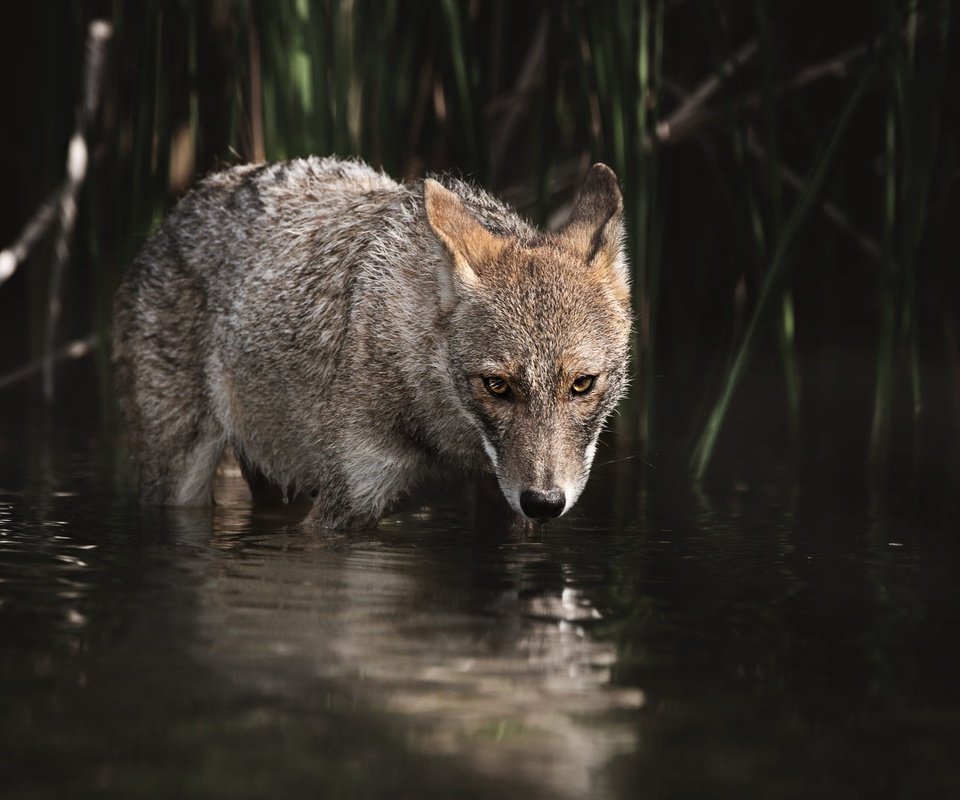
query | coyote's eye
[583, 384]
[497, 386]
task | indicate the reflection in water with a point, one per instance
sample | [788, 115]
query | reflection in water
[504, 675]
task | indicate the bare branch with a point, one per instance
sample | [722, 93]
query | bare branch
[836, 67]
[33, 231]
[870, 247]
[98, 35]
[74, 350]
[695, 101]
[677, 127]
[532, 67]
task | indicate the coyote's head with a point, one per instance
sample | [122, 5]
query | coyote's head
[538, 333]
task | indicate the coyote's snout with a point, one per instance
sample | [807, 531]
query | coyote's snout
[346, 334]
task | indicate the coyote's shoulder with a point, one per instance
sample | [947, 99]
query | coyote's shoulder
[344, 333]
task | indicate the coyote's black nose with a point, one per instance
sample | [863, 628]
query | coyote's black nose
[540, 505]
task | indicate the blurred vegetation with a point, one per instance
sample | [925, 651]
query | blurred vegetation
[790, 173]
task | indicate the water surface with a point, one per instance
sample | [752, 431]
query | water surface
[760, 639]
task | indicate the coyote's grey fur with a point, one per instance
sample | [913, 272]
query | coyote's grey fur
[346, 334]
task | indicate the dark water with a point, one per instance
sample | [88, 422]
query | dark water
[762, 640]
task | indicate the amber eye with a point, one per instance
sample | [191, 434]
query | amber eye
[583, 384]
[497, 386]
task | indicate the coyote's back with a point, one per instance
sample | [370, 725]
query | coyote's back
[346, 334]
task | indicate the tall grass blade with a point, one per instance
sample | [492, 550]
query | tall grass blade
[786, 329]
[911, 143]
[774, 280]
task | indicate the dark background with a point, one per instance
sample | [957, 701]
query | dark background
[821, 158]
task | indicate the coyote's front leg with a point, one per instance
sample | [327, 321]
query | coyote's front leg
[366, 485]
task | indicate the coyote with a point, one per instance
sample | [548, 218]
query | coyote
[348, 336]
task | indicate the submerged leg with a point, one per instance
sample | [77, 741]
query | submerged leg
[365, 486]
[180, 470]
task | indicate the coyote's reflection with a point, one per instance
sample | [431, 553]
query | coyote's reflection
[477, 647]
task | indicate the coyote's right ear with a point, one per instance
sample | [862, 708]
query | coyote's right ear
[595, 229]
[471, 246]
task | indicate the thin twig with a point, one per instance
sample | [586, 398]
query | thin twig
[532, 67]
[870, 246]
[676, 127]
[836, 67]
[98, 35]
[33, 232]
[695, 101]
[74, 350]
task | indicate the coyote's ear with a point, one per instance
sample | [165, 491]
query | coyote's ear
[595, 229]
[471, 246]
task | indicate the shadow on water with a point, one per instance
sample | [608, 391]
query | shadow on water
[761, 639]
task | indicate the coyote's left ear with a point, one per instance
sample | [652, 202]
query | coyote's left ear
[595, 229]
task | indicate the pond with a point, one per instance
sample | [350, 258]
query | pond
[761, 639]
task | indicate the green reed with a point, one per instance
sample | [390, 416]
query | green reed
[624, 49]
[522, 98]
[911, 140]
[773, 289]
